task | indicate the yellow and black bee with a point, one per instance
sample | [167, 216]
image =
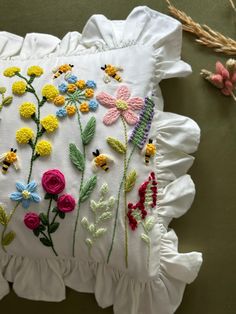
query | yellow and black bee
[149, 151]
[101, 161]
[9, 158]
[62, 69]
[111, 71]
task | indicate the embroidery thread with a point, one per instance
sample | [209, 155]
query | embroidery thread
[101, 161]
[9, 158]
[111, 71]
[6, 101]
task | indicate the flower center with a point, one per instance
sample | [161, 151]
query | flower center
[26, 194]
[121, 104]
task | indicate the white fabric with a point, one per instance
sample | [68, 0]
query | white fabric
[150, 43]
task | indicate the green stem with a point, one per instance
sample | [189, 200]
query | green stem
[5, 227]
[54, 218]
[81, 182]
[48, 224]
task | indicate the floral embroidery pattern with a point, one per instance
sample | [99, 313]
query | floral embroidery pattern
[101, 161]
[111, 72]
[122, 106]
[53, 182]
[102, 212]
[139, 213]
[149, 151]
[6, 238]
[64, 68]
[6, 101]
[9, 158]
[26, 193]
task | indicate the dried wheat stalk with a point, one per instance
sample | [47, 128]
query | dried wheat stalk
[206, 36]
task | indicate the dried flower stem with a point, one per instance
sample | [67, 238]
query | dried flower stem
[232, 4]
[206, 36]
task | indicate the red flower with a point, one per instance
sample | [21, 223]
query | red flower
[66, 203]
[53, 181]
[32, 220]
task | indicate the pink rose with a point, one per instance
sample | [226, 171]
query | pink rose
[53, 181]
[32, 220]
[66, 203]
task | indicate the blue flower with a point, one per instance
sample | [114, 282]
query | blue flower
[61, 113]
[62, 88]
[93, 105]
[91, 84]
[71, 79]
[25, 194]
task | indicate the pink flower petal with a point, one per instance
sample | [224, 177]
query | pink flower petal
[233, 78]
[106, 100]
[111, 116]
[135, 103]
[217, 80]
[130, 117]
[123, 93]
[226, 91]
[220, 69]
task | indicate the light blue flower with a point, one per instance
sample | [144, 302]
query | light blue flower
[25, 194]
[91, 84]
[62, 88]
[72, 79]
[61, 113]
[93, 105]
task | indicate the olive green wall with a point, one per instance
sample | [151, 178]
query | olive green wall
[210, 224]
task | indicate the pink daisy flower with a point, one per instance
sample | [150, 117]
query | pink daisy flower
[121, 105]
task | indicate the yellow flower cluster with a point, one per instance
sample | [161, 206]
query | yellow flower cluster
[27, 109]
[19, 87]
[43, 148]
[24, 135]
[9, 72]
[80, 84]
[89, 92]
[35, 70]
[70, 110]
[59, 100]
[71, 88]
[49, 123]
[84, 107]
[50, 92]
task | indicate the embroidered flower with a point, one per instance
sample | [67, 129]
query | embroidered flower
[59, 100]
[32, 220]
[50, 92]
[25, 194]
[24, 135]
[9, 72]
[93, 105]
[71, 79]
[84, 107]
[66, 203]
[43, 148]
[91, 84]
[19, 87]
[50, 123]
[35, 70]
[70, 110]
[80, 84]
[62, 88]
[61, 113]
[71, 88]
[27, 109]
[122, 105]
[89, 93]
[53, 181]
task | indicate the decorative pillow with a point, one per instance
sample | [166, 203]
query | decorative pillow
[92, 169]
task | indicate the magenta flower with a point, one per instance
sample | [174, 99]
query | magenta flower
[53, 181]
[32, 220]
[121, 105]
[66, 203]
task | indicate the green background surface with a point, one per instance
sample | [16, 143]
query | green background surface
[210, 224]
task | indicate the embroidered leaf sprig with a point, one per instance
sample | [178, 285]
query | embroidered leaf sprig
[130, 181]
[116, 145]
[102, 211]
[76, 157]
[8, 238]
[88, 188]
[3, 216]
[89, 131]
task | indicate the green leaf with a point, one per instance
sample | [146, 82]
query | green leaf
[7, 101]
[46, 241]
[76, 157]
[43, 218]
[116, 145]
[8, 238]
[145, 238]
[53, 227]
[149, 223]
[100, 232]
[105, 216]
[54, 210]
[36, 232]
[62, 215]
[48, 196]
[130, 181]
[88, 188]
[89, 242]
[3, 216]
[41, 228]
[85, 223]
[2, 90]
[89, 131]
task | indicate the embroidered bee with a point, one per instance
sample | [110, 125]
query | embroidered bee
[101, 161]
[149, 151]
[9, 158]
[111, 71]
[62, 69]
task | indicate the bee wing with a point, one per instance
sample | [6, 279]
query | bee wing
[106, 78]
[119, 69]
[94, 167]
[55, 69]
[2, 157]
[143, 151]
[16, 164]
[110, 159]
